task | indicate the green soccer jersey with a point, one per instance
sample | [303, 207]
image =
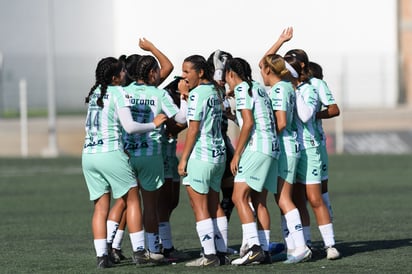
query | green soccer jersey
[146, 103]
[103, 128]
[283, 98]
[308, 134]
[205, 106]
[263, 136]
[326, 98]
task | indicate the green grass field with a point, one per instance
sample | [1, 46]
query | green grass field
[45, 222]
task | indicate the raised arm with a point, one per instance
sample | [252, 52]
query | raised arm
[166, 66]
[285, 36]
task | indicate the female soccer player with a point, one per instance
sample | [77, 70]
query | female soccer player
[104, 163]
[145, 150]
[276, 73]
[218, 60]
[309, 166]
[329, 109]
[254, 162]
[170, 191]
[115, 230]
[202, 162]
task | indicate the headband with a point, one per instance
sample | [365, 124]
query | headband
[292, 70]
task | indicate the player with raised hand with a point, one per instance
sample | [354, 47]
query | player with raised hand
[279, 75]
[115, 230]
[276, 73]
[145, 150]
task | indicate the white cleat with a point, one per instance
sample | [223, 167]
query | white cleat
[299, 256]
[254, 255]
[332, 253]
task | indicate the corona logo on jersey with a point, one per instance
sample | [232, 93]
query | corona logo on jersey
[146, 102]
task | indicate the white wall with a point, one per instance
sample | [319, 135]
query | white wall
[353, 39]
[83, 33]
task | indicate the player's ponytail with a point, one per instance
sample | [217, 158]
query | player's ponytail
[106, 69]
[242, 68]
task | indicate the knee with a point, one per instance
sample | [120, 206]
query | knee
[238, 199]
[315, 202]
[282, 203]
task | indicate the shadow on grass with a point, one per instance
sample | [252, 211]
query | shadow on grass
[352, 248]
[348, 249]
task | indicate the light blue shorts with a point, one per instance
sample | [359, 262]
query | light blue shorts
[309, 166]
[202, 175]
[149, 171]
[107, 171]
[287, 166]
[258, 171]
[325, 162]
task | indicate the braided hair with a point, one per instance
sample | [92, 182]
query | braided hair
[144, 65]
[106, 69]
[242, 68]
[130, 65]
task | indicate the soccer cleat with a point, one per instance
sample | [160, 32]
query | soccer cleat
[104, 262]
[173, 255]
[267, 259]
[254, 255]
[144, 256]
[205, 261]
[332, 253]
[243, 249]
[297, 257]
[117, 256]
[223, 258]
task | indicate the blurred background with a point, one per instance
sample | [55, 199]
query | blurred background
[49, 50]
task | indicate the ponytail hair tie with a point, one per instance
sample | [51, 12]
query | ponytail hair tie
[292, 70]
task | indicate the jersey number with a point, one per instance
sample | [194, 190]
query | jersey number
[92, 121]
